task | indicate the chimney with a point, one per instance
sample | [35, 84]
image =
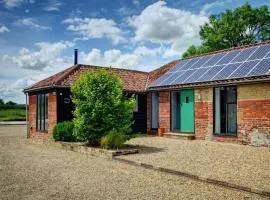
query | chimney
[75, 56]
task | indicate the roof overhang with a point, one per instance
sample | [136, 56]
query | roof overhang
[238, 81]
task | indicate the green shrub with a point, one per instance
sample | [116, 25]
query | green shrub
[113, 140]
[100, 106]
[64, 132]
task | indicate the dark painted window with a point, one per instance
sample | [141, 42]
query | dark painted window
[225, 110]
[42, 112]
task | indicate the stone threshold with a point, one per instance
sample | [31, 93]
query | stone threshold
[184, 136]
[196, 177]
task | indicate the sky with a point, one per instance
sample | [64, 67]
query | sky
[38, 37]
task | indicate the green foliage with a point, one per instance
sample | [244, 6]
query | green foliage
[241, 26]
[12, 114]
[2, 102]
[64, 132]
[11, 103]
[100, 106]
[113, 140]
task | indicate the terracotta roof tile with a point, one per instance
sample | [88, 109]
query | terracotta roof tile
[133, 80]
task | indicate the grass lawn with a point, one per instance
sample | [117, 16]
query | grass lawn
[12, 114]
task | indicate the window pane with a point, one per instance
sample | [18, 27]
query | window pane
[154, 110]
[231, 94]
[42, 112]
[38, 112]
[217, 110]
[46, 112]
[231, 118]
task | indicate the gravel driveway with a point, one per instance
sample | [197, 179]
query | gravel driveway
[42, 172]
[238, 164]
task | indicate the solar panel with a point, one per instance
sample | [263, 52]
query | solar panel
[241, 63]
[190, 63]
[262, 68]
[226, 71]
[181, 78]
[179, 66]
[201, 62]
[260, 52]
[228, 57]
[244, 69]
[173, 77]
[211, 73]
[160, 80]
[214, 59]
[244, 55]
[199, 72]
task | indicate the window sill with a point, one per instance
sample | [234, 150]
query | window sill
[44, 132]
[225, 135]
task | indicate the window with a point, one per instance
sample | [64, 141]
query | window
[136, 107]
[154, 110]
[225, 110]
[42, 112]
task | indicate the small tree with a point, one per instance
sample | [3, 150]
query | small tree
[100, 106]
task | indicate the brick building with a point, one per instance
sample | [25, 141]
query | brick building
[222, 96]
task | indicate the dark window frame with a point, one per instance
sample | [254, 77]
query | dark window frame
[226, 134]
[42, 113]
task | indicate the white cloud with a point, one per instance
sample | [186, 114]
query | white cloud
[89, 28]
[206, 9]
[3, 29]
[47, 56]
[116, 58]
[53, 5]
[161, 24]
[136, 2]
[30, 22]
[12, 3]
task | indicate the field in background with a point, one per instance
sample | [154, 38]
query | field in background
[16, 114]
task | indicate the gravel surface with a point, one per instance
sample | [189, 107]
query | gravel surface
[243, 165]
[45, 172]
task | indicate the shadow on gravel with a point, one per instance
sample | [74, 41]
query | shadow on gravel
[146, 149]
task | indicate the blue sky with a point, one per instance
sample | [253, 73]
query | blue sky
[37, 37]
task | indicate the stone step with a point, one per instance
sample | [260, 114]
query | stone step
[183, 136]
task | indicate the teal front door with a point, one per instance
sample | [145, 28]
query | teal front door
[187, 111]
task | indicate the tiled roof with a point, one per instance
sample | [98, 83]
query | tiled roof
[134, 81]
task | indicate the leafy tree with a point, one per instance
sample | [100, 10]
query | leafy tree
[2, 102]
[11, 103]
[100, 106]
[241, 26]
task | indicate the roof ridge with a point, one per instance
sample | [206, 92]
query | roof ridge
[114, 68]
[67, 72]
[228, 49]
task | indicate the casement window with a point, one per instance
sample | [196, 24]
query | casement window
[136, 106]
[225, 110]
[42, 112]
[154, 110]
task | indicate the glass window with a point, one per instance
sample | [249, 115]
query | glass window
[42, 112]
[136, 107]
[225, 109]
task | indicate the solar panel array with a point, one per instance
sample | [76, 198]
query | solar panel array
[241, 63]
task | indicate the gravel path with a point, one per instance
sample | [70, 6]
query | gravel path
[41, 172]
[243, 165]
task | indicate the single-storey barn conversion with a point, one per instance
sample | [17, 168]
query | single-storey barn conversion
[222, 96]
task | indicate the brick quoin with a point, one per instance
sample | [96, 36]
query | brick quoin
[164, 112]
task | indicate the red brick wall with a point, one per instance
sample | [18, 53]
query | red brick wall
[164, 112]
[203, 113]
[52, 117]
[253, 108]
